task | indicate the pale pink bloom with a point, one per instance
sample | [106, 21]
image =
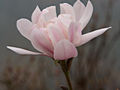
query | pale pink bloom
[79, 12]
[57, 37]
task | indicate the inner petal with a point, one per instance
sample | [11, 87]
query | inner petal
[40, 40]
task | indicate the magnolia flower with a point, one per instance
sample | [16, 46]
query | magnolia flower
[57, 36]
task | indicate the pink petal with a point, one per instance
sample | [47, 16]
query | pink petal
[51, 13]
[22, 51]
[74, 32]
[89, 36]
[41, 20]
[64, 50]
[65, 19]
[86, 15]
[41, 41]
[24, 27]
[55, 33]
[63, 28]
[66, 8]
[79, 8]
[36, 14]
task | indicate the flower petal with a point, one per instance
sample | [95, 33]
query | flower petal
[36, 14]
[55, 33]
[63, 28]
[22, 51]
[66, 8]
[51, 13]
[89, 36]
[41, 41]
[64, 50]
[79, 8]
[24, 27]
[74, 32]
[65, 19]
[86, 15]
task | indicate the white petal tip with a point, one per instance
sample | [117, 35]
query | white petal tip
[9, 47]
[62, 4]
[37, 7]
[22, 51]
[78, 1]
[107, 28]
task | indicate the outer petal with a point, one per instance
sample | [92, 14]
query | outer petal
[55, 33]
[66, 8]
[24, 27]
[51, 13]
[22, 51]
[89, 36]
[41, 42]
[79, 8]
[64, 50]
[35, 15]
[86, 15]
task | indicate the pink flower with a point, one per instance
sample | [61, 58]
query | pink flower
[57, 37]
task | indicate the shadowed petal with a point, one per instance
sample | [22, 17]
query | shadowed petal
[35, 15]
[66, 8]
[24, 27]
[89, 36]
[41, 41]
[79, 8]
[64, 50]
[22, 51]
[86, 15]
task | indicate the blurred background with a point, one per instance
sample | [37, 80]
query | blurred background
[97, 66]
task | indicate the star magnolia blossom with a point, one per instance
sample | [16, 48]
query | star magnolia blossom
[57, 36]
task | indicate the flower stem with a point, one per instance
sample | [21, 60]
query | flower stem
[68, 80]
[66, 73]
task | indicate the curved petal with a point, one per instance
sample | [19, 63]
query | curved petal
[36, 14]
[89, 36]
[66, 8]
[79, 8]
[24, 27]
[41, 41]
[55, 33]
[22, 51]
[64, 50]
[74, 32]
[51, 13]
[86, 15]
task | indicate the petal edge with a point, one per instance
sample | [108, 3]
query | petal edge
[24, 27]
[64, 50]
[89, 36]
[22, 51]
